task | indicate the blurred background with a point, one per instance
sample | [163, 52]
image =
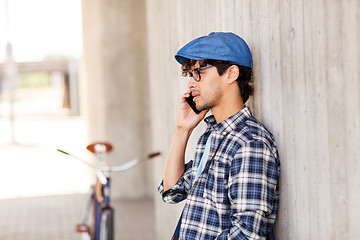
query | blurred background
[43, 192]
[40, 49]
[73, 72]
[40, 46]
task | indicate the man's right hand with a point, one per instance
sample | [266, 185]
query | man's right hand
[187, 119]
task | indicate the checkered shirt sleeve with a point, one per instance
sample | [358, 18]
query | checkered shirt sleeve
[252, 188]
[180, 191]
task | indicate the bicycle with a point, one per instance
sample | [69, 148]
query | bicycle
[98, 218]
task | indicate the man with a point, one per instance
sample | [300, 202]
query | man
[231, 186]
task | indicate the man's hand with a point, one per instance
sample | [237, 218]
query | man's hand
[187, 119]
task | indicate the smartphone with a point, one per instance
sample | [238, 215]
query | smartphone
[191, 103]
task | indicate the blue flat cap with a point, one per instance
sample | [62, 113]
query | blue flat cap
[217, 46]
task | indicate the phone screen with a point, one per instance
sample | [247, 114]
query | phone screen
[191, 103]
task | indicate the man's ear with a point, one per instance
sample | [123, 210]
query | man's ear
[233, 73]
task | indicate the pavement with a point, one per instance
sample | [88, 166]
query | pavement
[55, 218]
[42, 192]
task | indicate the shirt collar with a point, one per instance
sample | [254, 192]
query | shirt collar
[228, 124]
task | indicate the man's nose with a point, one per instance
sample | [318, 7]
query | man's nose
[191, 83]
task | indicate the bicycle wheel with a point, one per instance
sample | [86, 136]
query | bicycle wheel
[107, 224]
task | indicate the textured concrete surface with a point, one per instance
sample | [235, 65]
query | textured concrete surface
[307, 93]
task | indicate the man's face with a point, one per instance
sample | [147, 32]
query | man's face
[207, 92]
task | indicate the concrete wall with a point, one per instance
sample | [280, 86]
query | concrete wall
[306, 57]
[116, 82]
[306, 68]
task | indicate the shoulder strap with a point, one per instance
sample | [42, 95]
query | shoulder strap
[177, 229]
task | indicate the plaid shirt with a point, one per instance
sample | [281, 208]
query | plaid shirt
[237, 194]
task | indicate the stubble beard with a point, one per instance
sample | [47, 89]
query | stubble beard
[209, 101]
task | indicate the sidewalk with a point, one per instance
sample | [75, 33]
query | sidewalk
[55, 217]
[42, 191]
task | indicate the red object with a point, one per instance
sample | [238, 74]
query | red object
[82, 228]
[92, 147]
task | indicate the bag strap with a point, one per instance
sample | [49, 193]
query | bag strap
[271, 235]
[177, 229]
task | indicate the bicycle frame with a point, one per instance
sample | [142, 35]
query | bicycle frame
[103, 213]
[99, 207]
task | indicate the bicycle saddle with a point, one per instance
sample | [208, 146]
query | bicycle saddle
[100, 147]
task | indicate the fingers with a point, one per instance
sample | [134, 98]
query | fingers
[187, 94]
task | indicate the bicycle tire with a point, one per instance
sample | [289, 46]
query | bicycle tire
[107, 224]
